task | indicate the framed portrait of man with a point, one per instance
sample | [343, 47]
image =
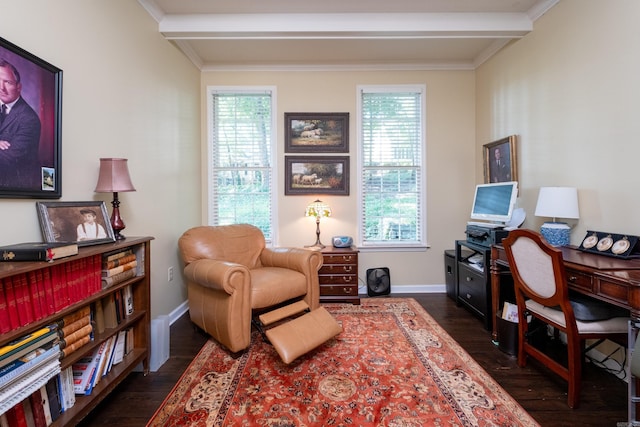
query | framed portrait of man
[30, 125]
[500, 161]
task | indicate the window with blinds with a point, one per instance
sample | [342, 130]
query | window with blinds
[391, 163]
[240, 159]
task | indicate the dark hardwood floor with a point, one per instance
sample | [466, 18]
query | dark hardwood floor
[541, 393]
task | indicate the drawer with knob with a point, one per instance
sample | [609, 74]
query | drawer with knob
[338, 275]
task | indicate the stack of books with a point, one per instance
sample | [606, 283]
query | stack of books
[27, 364]
[118, 267]
[75, 330]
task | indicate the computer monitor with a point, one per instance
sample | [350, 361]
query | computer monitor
[495, 202]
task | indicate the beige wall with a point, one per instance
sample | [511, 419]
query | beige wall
[450, 160]
[570, 90]
[127, 92]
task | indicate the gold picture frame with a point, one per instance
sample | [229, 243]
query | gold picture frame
[500, 160]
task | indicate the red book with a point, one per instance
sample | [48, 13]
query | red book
[5, 323]
[36, 300]
[12, 305]
[37, 407]
[23, 299]
[16, 416]
[48, 290]
[58, 280]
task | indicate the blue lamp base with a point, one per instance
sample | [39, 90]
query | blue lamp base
[556, 233]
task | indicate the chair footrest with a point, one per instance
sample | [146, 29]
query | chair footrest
[283, 312]
[303, 334]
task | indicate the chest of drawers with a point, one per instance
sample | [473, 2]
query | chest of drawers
[339, 275]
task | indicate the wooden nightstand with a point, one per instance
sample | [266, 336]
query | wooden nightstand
[339, 275]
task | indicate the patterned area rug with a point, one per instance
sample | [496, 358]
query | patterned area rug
[392, 365]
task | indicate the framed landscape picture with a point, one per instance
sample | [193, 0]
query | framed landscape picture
[30, 124]
[316, 132]
[316, 175]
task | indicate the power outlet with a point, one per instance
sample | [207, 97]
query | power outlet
[170, 274]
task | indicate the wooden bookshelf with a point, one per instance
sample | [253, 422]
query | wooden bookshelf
[139, 320]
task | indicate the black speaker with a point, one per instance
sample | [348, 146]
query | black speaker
[378, 282]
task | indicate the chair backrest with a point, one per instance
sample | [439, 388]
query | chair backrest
[238, 243]
[537, 268]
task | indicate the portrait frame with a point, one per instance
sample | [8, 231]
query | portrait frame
[41, 88]
[59, 221]
[508, 171]
[316, 132]
[316, 175]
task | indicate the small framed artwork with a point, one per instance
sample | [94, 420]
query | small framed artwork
[30, 125]
[84, 223]
[316, 175]
[500, 160]
[316, 132]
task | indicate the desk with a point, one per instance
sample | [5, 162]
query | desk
[613, 280]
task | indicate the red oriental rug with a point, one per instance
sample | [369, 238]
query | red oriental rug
[392, 365]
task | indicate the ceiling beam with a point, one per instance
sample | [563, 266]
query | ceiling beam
[345, 26]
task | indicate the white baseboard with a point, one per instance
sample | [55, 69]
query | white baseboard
[413, 289]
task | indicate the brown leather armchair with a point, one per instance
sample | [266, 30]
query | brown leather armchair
[231, 274]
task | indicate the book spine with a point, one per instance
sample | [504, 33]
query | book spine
[36, 304]
[66, 330]
[21, 366]
[76, 345]
[26, 339]
[128, 266]
[48, 290]
[25, 254]
[12, 305]
[117, 278]
[120, 261]
[23, 299]
[76, 315]
[53, 396]
[37, 407]
[76, 336]
[117, 254]
[5, 322]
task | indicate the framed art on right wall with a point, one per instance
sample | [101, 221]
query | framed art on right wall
[500, 160]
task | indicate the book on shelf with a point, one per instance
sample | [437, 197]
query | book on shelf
[72, 327]
[51, 389]
[69, 349]
[23, 299]
[118, 355]
[5, 322]
[65, 389]
[32, 251]
[46, 341]
[12, 307]
[38, 357]
[84, 371]
[25, 339]
[118, 253]
[107, 265]
[131, 265]
[127, 294]
[76, 336]
[118, 278]
[109, 310]
[38, 409]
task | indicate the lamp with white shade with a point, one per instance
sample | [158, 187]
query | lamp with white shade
[557, 202]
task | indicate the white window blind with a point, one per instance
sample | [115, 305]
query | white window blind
[241, 159]
[391, 166]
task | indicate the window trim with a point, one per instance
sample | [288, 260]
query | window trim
[389, 245]
[211, 189]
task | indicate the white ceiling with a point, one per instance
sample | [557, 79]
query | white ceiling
[343, 34]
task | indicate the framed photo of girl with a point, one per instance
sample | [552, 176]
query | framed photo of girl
[30, 125]
[500, 160]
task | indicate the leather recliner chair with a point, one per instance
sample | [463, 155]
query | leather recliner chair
[231, 275]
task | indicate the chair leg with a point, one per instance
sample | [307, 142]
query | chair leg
[574, 365]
